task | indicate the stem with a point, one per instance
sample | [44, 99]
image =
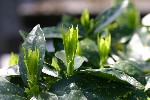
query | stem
[70, 68]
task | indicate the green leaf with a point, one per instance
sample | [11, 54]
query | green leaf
[62, 56]
[11, 97]
[69, 20]
[90, 51]
[132, 17]
[52, 32]
[70, 41]
[13, 59]
[85, 18]
[47, 96]
[131, 68]
[109, 15]
[58, 44]
[89, 87]
[35, 39]
[55, 65]
[23, 34]
[104, 43]
[86, 22]
[78, 60]
[31, 62]
[137, 95]
[10, 91]
[115, 75]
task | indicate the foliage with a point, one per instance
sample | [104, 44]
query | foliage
[13, 59]
[70, 40]
[100, 59]
[104, 47]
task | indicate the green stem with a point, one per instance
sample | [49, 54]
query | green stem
[70, 68]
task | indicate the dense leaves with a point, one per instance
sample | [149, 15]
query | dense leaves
[73, 70]
[35, 40]
[88, 87]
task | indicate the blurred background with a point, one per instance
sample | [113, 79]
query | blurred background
[18, 15]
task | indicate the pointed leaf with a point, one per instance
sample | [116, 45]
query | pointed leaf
[131, 68]
[35, 39]
[115, 75]
[13, 59]
[55, 65]
[89, 87]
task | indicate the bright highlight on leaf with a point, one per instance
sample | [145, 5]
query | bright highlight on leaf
[55, 65]
[13, 59]
[104, 42]
[70, 40]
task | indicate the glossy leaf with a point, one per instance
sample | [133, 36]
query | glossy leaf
[47, 96]
[11, 97]
[90, 51]
[49, 71]
[131, 68]
[78, 60]
[114, 74]
[62, 56]
[88, 87]
[109, 15]
[10, 71]
[35, 39]
[52, 32]
[10, 91]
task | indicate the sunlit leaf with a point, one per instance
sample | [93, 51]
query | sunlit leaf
[131, 68]
[13, 59]
[114, 74]
[88, 87]
[35, 39]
